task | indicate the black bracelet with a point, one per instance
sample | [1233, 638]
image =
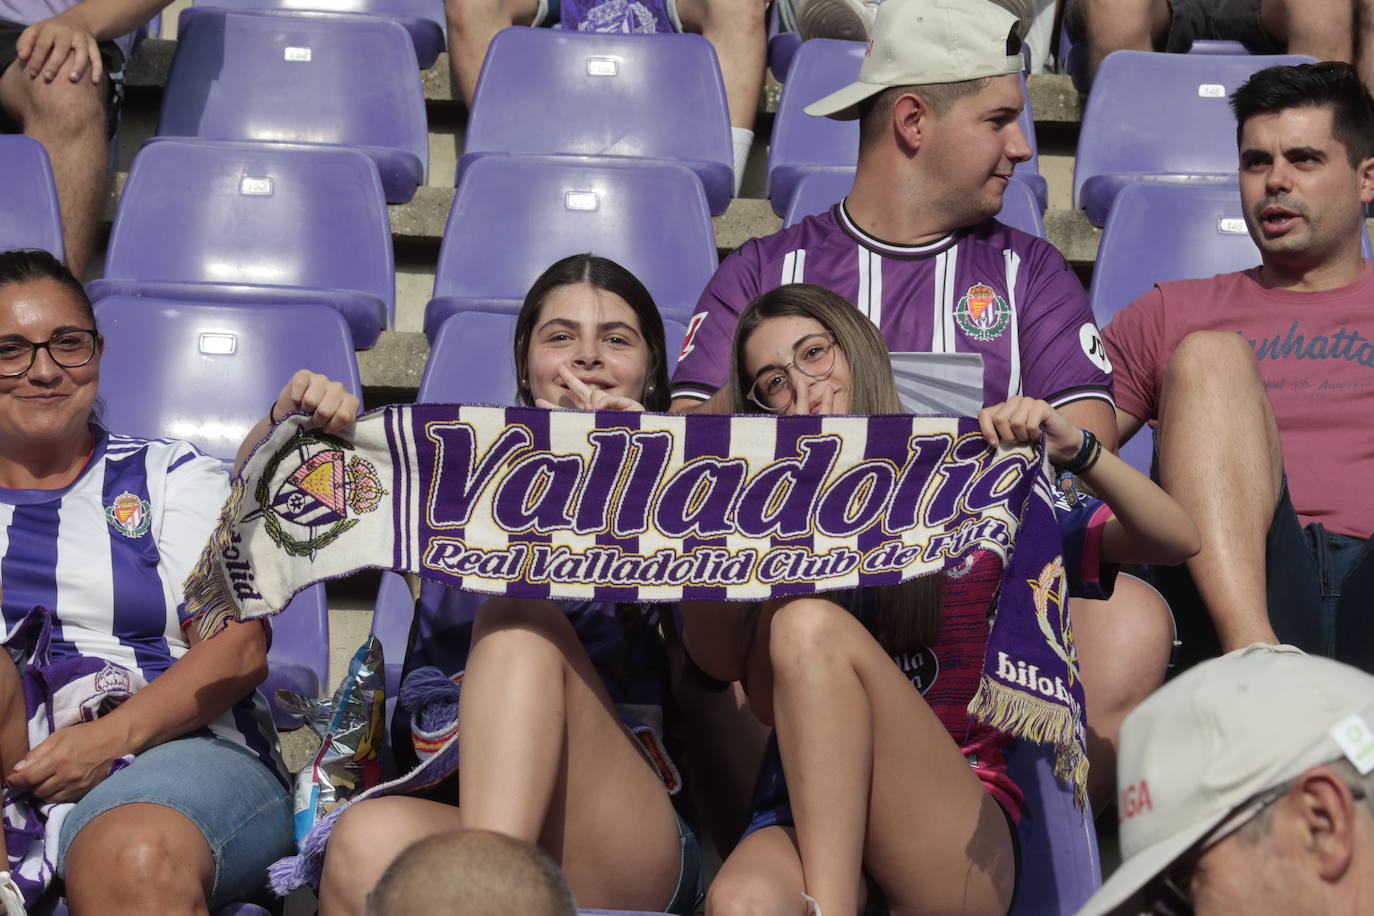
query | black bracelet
[272, 413]
[1087, 455]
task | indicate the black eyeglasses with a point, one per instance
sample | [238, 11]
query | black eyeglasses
[69, 349]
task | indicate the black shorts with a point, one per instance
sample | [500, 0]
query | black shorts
[1320, 591]
[1199, 20]
[111, 58]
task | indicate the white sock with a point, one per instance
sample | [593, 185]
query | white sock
[742, 140]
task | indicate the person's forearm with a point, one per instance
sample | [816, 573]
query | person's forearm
[212, 676]
[107, 19]
[250, 441]
[1152, 527]
[716, 403]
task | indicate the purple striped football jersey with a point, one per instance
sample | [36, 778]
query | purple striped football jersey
[986, 289]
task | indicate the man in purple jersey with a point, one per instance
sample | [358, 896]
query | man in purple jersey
[914, 245]
[916, 248]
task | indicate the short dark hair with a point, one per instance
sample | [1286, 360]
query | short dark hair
[1330, 84]
[877, 110]
[28, 265]
[600, 273]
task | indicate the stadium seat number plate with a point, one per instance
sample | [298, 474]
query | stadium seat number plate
[298, 55]
[581, 200]
[255, 187]
[218, 344]
[1231, 224]
[1211, 91]
[602, 66]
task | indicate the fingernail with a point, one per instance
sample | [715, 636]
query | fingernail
[20, 765]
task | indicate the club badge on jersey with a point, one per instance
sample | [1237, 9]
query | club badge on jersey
[981, 313]
[129, 515]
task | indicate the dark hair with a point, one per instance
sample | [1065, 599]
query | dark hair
[1330, 84]
[876, 111]
[29, 265]
[908, 614]
[600, 273]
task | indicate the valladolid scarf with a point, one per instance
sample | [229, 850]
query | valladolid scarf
[649, 507]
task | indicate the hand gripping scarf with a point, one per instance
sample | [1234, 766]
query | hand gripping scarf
[648, 507]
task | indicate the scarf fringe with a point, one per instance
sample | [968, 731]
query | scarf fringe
[208, 598]
[1033, 718]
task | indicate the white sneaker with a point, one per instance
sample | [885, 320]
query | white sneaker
[10, 898]
[848, 20]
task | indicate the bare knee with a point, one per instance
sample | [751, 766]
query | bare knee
[522, 624]
[364, 841]
[739, 17]
[806, 632]
[134, 865]
[488, 16]
[1211, 355]
[1114, 25]
[1123, 646]
[60, 110]
[1322, 28]
[748, 895]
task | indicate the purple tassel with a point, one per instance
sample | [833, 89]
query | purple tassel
[431, 697]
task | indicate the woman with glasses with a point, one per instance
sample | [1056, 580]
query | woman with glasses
[894, 797]
[180, 795]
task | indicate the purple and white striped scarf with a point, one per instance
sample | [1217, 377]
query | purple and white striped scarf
[650, 507]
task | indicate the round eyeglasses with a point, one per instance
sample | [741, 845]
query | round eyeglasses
[813, 356]
[68, 349]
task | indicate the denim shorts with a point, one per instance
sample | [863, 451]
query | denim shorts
[691, 879]
[1320, 589]
[241, 808]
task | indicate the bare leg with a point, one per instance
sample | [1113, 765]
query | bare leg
[138, 859]
[874, 778]
[1219, 456]
[1364, 41]
[762, 877]
[367, 839]
[1322, 28]
[737, 30]
[723, 746]
[70, 120]
[1123, 653]
[1123, 25]
[553, 765]
[471, 26]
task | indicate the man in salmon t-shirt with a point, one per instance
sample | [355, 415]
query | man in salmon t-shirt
[1282, 489]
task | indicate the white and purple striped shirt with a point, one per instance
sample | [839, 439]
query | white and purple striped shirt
[986, 289]
[107, 556]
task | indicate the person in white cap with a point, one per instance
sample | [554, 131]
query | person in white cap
[1245, 788]
[916, 248]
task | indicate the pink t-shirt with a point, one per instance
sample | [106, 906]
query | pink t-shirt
[1316, 356]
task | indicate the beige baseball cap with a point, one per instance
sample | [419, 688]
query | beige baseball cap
[1217, 736]
[919, 42]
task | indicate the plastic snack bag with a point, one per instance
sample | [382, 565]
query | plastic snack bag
[351, 726]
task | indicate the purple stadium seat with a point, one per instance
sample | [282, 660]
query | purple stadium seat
[782, 44]
[161, 357]
[423, 19]
[802, 143]
[1060, 867]
[29, 217]
[324, 79]
[818, 191]
[513, 216]
[604, 98]
[245, 223]
[1160, 118]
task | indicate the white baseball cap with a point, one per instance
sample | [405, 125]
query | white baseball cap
[1216, 737]
[919, 42]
